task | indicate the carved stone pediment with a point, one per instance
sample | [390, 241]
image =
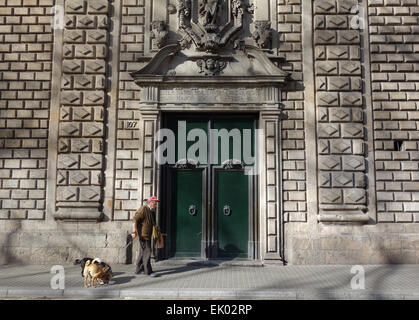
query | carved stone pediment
[210, 44]
[171, 64]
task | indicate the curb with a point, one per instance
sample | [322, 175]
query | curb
[226, 294]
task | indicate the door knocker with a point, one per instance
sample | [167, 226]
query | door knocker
[227, 210]
[192, 210]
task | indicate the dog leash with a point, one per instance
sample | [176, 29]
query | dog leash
[128, 244]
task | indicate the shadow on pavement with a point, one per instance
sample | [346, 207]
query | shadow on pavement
[122, 280]
[188, 267]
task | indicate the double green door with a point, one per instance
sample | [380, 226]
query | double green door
[210, 205]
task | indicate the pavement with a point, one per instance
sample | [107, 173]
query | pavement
[185, 280]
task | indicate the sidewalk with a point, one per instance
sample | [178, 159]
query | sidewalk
[183, 280]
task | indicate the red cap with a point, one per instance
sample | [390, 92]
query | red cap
[153, 199]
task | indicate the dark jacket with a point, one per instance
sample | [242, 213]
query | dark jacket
[144, 222]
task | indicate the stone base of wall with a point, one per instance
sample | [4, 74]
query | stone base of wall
[51, 242]
[361, 247]
[64, 247]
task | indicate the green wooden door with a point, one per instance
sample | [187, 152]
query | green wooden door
[186, 233]
[232, 190]
[210, 227]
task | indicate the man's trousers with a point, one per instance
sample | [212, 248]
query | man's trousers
[144, 254]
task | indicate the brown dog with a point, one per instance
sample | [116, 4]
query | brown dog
[92, 273]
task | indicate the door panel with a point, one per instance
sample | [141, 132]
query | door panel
[243, 152]
[175, 125]
[210, 233]
[186, 227]
[232, 189]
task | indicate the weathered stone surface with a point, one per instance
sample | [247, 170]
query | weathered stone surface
[77, 134]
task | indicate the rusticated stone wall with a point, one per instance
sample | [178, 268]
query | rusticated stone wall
[128, 141]
[72, 137]
[82, 111]
[394, 34]
[340, 110]
[26, 45]
[293, 134]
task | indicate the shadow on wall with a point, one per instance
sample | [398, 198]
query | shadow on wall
[6, 255]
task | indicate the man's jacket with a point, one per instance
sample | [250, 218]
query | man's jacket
[144, 222]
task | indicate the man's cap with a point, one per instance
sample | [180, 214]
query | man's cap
[153, 199]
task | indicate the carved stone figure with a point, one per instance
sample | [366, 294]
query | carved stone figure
[237, 7]
[205, 35]
[159, 33]
[211, 66]
[209, 9]
[263, 34]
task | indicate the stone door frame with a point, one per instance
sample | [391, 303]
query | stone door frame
[209, 223]
[270, 243]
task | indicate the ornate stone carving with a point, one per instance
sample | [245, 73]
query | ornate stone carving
[184, 11]
[208, 10]
[232, 164]
[263, 34]
[236, 7]
[185, 42]
[171, 9]
[159, 33]
[207, 32]
[186, 164]
[211, 66]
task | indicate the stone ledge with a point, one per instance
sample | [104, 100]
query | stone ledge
[349, 216]
[78, 215]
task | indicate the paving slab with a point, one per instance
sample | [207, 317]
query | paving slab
[192, 280]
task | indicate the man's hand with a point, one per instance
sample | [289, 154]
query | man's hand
[133, 234]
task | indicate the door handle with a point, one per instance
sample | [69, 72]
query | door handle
[192, 210]
[227, 210]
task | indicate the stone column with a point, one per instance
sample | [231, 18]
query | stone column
[270, 194]
[82, 111]
[340, 114]
[149, 172]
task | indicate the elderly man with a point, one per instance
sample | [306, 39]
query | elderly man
[143, 228]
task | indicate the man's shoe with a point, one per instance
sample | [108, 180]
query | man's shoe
[154, 275]
[139, 271]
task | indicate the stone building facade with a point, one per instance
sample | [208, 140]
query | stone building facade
[333, 85]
